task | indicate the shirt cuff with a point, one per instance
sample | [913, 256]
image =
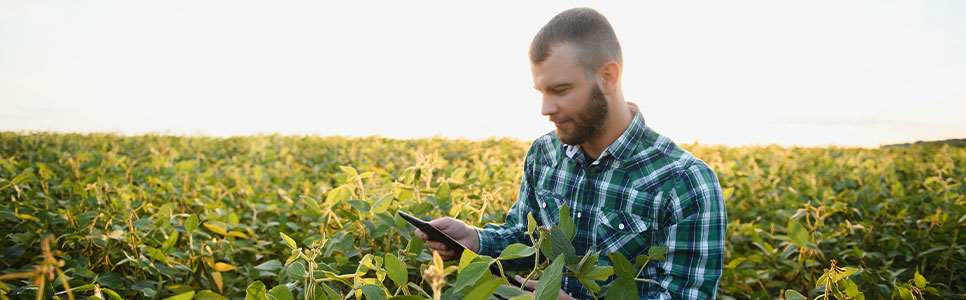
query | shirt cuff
[486, 245]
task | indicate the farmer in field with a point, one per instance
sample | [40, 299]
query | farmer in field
[628, 187]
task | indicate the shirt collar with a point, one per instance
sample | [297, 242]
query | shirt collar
[623, 147]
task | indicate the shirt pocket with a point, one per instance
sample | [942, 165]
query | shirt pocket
[618, 230]
[548, 207]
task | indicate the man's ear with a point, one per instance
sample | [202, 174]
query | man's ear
[610, 74]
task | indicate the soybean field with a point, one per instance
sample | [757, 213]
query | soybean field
[103, 216]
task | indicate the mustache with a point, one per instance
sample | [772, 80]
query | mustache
[560, 119]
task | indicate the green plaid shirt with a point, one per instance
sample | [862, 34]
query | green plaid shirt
[643, 191]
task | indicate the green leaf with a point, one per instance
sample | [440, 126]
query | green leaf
[110, 280]
[600, 272]
[848, 272]
[793, 295]
[334, 196]
[588, 263]
[382, 204]
[403, 297]
[507, 292]
[471, 274]
[416, 246]
[330, 292]
[182, 296]
[350, 171]
[155, 254]
[288, 241]
[549, 285]
[623, 288]
[484, 290]
[797, 234]
[272, 265]
[310, 202]
[562, 245]
[904, 293]
[640, 261]
[296, 270]
[172, 239]
[113, 295]
[465, 259]
[209, 295]
[622, 267]
[442, 193]
[919, 280]
[516, 251]
[566, 223]
[546, 248]
[396, 269]
[280, 292]
[589, 283]
[191, 223]
[531, 223]
[373, 292]
[255, 291]
[657, 253]
[850, 288]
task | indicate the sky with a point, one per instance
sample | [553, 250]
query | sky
[808, 73]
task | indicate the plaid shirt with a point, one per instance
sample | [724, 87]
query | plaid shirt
[643, 191]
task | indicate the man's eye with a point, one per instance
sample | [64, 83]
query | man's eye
[560, 91]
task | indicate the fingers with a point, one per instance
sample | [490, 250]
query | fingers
[438, 246]
[444, 251]
[446, 254]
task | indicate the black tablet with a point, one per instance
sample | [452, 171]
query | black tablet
[434, 233]
[444, 238]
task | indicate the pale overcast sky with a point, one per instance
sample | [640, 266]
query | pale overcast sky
[856, 73]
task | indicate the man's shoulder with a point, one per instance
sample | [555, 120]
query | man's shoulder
[545, 150]
[688, 183]
[667, 160]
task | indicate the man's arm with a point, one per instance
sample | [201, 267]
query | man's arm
[492, 239]
[695, 238]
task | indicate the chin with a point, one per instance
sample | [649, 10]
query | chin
[565, 138]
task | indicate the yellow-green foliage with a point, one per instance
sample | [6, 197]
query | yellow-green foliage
[159, 216]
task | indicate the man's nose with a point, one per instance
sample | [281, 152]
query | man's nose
[548, 107]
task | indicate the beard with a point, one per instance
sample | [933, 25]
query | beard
[588, 122]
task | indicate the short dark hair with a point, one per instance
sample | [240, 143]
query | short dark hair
[587, 30]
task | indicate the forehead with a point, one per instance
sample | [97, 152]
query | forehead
[559, 67]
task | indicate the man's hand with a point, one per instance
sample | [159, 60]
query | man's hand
[532, 286]
[459, 231]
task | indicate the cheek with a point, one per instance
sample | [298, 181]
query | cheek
[570, 103]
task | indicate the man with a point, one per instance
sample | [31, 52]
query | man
[628, 187]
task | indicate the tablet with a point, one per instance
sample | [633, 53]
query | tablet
[434, 233]
[444, 238]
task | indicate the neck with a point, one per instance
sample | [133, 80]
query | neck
[620, 116]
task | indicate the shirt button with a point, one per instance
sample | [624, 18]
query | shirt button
[620, 226]
[544, 204]
[578, 214]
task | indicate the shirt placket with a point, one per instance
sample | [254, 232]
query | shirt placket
[588, 176]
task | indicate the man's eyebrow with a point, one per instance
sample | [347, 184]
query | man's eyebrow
[555, 86]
